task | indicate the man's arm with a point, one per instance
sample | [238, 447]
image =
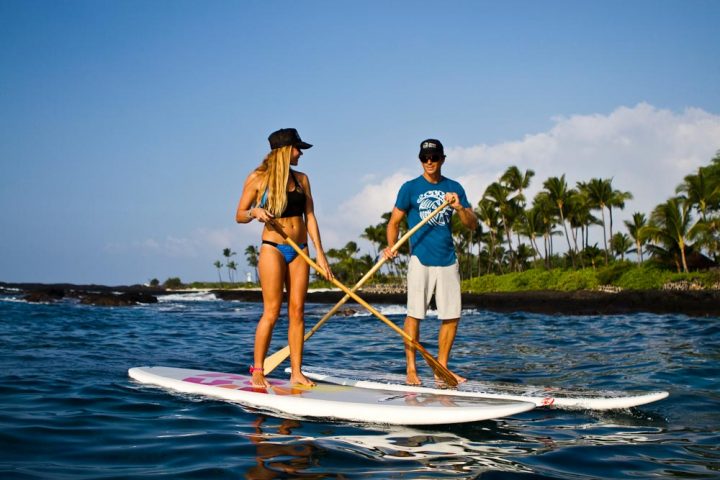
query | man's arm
[392, 232]
[467, 215]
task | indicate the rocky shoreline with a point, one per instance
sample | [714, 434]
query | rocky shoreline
[703, 303]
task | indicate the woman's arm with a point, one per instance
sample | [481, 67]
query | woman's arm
[245, 212]
[313, 229]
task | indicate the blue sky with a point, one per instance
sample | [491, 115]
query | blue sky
[127, 128]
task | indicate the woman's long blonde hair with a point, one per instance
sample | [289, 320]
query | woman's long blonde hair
[274, 171]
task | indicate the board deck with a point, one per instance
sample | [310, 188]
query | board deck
[540, 396]
[330, 401]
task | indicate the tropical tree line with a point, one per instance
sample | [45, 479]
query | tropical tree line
[553, 229]
[230, 265]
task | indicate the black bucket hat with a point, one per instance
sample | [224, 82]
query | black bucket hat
[285, 137]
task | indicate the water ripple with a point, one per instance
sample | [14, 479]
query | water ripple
[68, 409]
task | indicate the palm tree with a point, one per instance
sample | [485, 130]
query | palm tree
[346, 264]
[546, 212]
[463, 241]
[252, 255]
[558, 192]
[617, 199]
[703, 193]
[500, 196]
[700, 191]
[227, 253]
[490, 217]
[599, 194]
[621, 244]
[670, 225]
[375, 234]
[578, 215]
[517, 182]
[531, 227]
[232, 267]
[636, 229]
[218, 264]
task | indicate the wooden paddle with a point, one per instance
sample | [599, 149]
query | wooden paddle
[440, 370]
[278, 357]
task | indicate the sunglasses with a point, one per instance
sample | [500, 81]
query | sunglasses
[432, 158]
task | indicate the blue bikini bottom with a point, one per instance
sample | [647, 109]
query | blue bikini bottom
[288, 253]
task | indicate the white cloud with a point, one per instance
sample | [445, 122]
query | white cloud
[646, 150]
[363, 209]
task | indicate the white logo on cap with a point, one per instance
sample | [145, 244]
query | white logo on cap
[429, 145]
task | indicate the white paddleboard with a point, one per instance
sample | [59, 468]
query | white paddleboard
[327, 401]
[539, 396]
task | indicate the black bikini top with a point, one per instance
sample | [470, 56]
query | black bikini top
[295, 201]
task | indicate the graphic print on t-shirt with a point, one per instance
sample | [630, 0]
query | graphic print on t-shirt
[428, 202]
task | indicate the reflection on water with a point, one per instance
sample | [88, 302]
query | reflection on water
[285, 448]
[279, 455]
[280, 452]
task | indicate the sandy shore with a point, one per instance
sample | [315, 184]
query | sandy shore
[693, 303]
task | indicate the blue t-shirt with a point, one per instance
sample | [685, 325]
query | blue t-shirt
[433, 243]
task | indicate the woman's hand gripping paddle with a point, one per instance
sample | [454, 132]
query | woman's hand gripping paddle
[281, 355]
[440, 370]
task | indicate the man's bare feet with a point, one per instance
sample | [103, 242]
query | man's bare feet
[458, 378]
[413, 379]
[300, 379]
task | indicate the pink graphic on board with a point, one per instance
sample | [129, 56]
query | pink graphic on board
[230, 380]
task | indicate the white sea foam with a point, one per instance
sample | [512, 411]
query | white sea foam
[12, 299]
[402, 310]
[187, 297]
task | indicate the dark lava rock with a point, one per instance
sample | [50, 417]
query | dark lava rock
[45, 295]
[112, 300]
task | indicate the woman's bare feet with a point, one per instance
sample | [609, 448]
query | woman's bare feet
[258, 379]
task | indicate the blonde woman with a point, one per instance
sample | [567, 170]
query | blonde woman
[274, 192]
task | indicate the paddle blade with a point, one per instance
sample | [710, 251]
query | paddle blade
[275, 359]
[440, 370]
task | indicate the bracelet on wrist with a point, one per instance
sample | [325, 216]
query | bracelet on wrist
[249, 214]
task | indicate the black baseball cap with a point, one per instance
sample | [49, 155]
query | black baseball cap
[285, 137]
[431, 146]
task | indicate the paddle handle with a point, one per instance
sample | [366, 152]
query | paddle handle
[278, 357]
[437, 367]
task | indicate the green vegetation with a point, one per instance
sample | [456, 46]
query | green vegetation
[622, 275]
[173, 282]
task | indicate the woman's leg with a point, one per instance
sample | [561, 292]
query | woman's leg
[297, 285]
[272, 269]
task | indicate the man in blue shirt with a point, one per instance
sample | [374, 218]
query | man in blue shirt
[433, 266]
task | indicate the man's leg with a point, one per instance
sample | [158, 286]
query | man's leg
[418, 293]
[412, 328]
[448, 298]
[446, 338]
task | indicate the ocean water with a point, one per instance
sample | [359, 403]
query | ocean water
[69, 411]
